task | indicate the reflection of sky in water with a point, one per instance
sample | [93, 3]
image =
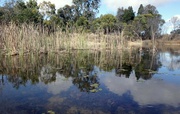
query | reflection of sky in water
[170, 61]
[170, 70]
[151, 92]
[163, 88]
[168, 76]
[61, 84]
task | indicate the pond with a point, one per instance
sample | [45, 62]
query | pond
[132, 81]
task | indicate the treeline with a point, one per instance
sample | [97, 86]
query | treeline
[81, 17]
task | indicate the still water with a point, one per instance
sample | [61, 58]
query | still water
[91, 82]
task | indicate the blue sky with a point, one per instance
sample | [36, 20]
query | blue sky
[168, 8]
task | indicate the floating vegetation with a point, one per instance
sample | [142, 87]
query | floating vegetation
[140, 81]
[51, 112]
[95, 85]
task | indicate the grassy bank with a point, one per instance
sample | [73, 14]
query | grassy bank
[160, 43]
[16, 40]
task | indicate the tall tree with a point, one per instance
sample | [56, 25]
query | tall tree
[120, 13]
[47, 9]
[86, 8]
[66, 14]
[150, 21]
[150, 9]
[175, 22]
[82, 23]
[125, 15]
[7, 12]
[128, 14]
[27, 12]
[108, 22]
[140, 10]
[51, 20]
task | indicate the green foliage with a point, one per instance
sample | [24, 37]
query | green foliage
[119, 15]
[86, 8]
[82, 16]
[66, 14]
[128, 15]
[140, 10]
[125, 15]
[27, 12]
[47, 9]
[149, 21]
[7, 12]
[82, 23]
[96, 25]
[107, 22]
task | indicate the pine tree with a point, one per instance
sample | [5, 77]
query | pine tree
[140, 10]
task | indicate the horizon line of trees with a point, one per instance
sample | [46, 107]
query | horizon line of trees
[81, 16]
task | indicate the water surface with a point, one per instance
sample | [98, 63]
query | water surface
[91, 82]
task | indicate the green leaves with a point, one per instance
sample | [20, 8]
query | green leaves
[128, 15]
[27, 12]
[125, 15]
[108, 20]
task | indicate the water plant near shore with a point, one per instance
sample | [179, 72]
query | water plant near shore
[16, 40]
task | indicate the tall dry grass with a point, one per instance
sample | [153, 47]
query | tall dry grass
[16, 40]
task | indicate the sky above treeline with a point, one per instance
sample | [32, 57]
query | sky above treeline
[167, 8]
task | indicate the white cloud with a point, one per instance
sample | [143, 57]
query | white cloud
[170, 61]
[151, 92]
[61, 84]
[114, 4]
[58, 3]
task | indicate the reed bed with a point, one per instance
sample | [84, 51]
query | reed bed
[17, 40]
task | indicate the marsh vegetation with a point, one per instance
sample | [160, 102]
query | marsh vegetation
[31, 27]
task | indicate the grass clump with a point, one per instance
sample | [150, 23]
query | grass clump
[22, 39]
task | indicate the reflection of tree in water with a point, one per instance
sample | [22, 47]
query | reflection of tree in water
[45, 68]
[47, 74]
[144, 64]
[77, 65]
[125, 69]
[2, 82]
[82, 71]
[148, 66]
[86, 81]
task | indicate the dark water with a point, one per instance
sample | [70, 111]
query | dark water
[87, 82]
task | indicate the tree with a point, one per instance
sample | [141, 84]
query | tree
[86, 8]
[120, 13]
[47, 9]
[140, 10]
[7, 12]
[150, 9]
[66, 14]
[27, 12]
[139, 24]
[128, 15]
[82, 23]
[151, 22]
[175, 22]
[108, 22]
[125, 15]
[96, 25]
[51, 20]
